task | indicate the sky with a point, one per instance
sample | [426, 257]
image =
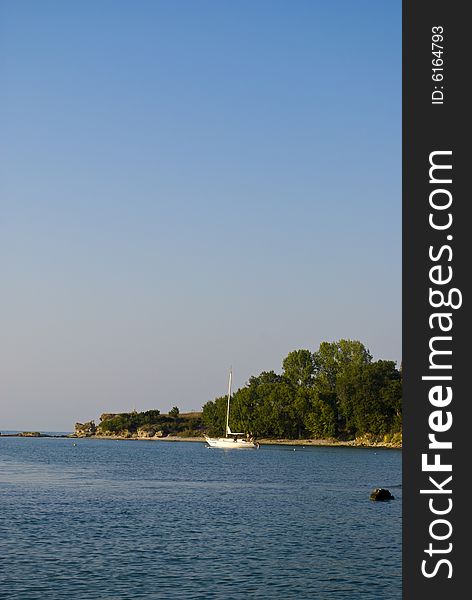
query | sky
[188, 186]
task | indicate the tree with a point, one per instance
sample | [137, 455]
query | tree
[369, 397]
[321, 421]
[333, 357]
[298, 368]
[214, 415]
[301, 406]
[262, 406]
[174, 412]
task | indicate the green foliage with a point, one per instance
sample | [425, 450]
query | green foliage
[299, 368]
[174, 412]
[336, 391]
[322, 420]
[214, 416]
[333, 357]
[369, 397]
[129, 423]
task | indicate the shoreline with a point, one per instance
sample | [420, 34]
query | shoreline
[330, 443]
[263, 442]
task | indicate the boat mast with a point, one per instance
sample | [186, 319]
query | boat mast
[229, 397]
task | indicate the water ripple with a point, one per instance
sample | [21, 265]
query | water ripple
[108, 520]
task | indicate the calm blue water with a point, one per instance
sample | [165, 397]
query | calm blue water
[119, 520]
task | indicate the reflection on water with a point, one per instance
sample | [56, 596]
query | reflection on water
[121, 520]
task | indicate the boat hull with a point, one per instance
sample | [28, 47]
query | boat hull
[231, 443]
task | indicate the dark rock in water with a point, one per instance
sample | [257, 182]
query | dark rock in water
[381, 494]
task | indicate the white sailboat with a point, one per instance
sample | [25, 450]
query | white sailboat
[231, 439]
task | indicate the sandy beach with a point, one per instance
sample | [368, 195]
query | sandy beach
[359, 443]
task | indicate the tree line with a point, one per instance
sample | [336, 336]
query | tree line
[336, 392]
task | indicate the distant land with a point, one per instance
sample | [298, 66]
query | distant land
[151, 425]
[335, 395]
[179, 429]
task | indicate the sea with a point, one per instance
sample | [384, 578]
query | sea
[93, 519]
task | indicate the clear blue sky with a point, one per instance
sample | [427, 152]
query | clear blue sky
[189, 185]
